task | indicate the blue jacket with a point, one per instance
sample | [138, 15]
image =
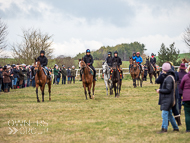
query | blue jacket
[134, 57]
[139, 59]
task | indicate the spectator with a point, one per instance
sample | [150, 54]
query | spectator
[185, 86]
[15, 75]
[145, 72]
[11, 77]
[181, 73]
[59, 76]
[64, 74]
[21, 77]
[167, 98]
[6, 78]
[55, 73]
[28, 76]
[73, 74]
[25, 75]
[69, 75]
[1, 77]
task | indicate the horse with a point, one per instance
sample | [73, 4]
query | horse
[115, 78]
[136, 73]
[106, 72]
[87, 79]
[185, 62]
[151, 70]
[40, 80]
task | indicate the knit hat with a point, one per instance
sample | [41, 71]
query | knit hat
[166, 67]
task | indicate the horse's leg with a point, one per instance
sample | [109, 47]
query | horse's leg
[114, 85]
[150, 75]
[37, 93]
[84, 85]
[106, 83]
[42, 89]
[155, 75]
[93, 87]
[89, 90]
[49, 89]
[134, 82]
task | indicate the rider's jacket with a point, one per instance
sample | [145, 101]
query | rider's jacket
[139, 60]
[88, 59]
[109, 61]
[43, 60]
[117, 59]
[153, 60]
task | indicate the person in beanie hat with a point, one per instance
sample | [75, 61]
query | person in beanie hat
[69, 75]
[181, 74]
[167, 98]
[6, 78]
[185, 86]
[1, 77]
[64, 74]
[109, 59]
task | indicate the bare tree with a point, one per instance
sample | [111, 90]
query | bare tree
[67, 61]
[3, 34]
[186, 36]
[33, 42]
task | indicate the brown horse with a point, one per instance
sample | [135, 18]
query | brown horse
[151, 70]
[135, 72]
[87, 79]
[41, 79]
[184, 61]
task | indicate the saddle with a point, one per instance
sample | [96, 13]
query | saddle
[90, 71]
[153, 67]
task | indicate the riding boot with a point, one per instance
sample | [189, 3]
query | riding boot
[178, 120]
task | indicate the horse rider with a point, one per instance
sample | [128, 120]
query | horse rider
[109, 59]
[134, 58]
[117, 59]
[139, 60]
[153, 60]
[44, 61]
[88, 59]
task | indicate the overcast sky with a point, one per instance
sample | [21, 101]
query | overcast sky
[80, 24]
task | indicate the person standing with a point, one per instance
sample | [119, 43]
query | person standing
[28, 76]
[1, 77]
[167, 98]
[73, 74]
[185, 86]
[181, 74]
[21, 77]
[145, 72]
[69, 75]
[55, 73]
[25, 75]
[64, 74]
[15, 75]
[6, 78]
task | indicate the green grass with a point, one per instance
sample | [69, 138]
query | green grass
[133, 117]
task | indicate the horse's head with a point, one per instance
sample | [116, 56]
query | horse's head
[37, 65]
[114, 66]
[104, 67]
[147, 61]
[184, 61]
[82, 64]
[134, 64]
[130, 60]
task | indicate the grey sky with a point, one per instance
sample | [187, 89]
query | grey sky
[81, 24]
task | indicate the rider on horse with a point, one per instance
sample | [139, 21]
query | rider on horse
[153, 60]
[44, 61]
[88, 59]
[116, 59]
[109, 59]
[139, 60]
[134, 58]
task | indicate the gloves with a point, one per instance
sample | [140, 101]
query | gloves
[88, 64]
[138, 63]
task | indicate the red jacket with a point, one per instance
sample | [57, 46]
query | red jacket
[185, 86]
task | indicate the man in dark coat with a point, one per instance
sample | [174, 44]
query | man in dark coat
[109, 59]
[15, 75]
[1, 77]
[64, 74]
[44, 61]
[88, 59]
[167, 98]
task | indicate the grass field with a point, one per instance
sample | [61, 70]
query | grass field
[133, 117]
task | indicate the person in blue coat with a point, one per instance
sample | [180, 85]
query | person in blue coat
[139, 60]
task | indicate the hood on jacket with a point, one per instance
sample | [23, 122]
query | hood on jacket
[171, 72]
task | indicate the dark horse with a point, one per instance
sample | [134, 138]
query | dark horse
[87, 79]
[135, 72]
[41, 79]
[151, 71]
[115, 77]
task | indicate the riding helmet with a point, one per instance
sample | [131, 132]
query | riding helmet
[42, 51]
[88, 51]
[152, 54]
[109, 53]
[115, 52]
[138, 53]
